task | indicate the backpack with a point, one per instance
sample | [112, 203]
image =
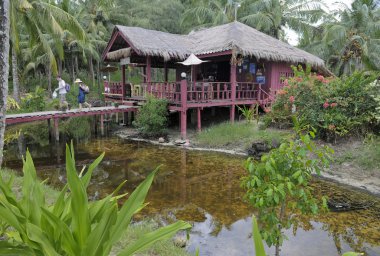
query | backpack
[67, 87]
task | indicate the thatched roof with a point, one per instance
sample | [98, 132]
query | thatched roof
[119, 54]
[232, 36]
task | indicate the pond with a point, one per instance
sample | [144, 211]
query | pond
[204, 188]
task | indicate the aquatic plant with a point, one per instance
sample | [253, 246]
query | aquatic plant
[72, 225]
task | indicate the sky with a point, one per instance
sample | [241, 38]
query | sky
[331, 4]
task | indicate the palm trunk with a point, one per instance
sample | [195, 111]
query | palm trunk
[91, 69]
[76, 65]
[98, 76]
[59, 67]
[4, 68]
[48, 67]
[16, 82]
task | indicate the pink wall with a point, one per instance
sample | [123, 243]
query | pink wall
[279, 71]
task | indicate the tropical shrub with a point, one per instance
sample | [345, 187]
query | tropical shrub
[72, 225]
[151, 119]
[249, 113]
[278, 184]
[34, 101]
[334, 106]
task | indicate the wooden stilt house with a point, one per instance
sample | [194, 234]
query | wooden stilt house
[244, 67]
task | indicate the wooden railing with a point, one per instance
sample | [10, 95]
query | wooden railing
[196, 92]
[170, 91]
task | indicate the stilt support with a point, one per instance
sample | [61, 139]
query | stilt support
[183, 124]
[56, 129]
[102, 124]
[232, 113]
[199, 125]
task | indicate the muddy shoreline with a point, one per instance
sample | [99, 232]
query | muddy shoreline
[345, 173]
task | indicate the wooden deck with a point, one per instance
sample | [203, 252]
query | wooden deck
[46, 115]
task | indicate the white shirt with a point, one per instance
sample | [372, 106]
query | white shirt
[61, 87]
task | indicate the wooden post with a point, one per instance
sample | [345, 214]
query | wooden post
[148, 72]
[183, 108]
[50, 130]
[199, 126]
[125, 118]
[165, 72]
[117, 117]
[233, 89]
[123, 82]
[102, 124]
[56, 129]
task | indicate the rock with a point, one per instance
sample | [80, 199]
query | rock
[180, 241]
[259, 148]
[161, 140]
[179, 142]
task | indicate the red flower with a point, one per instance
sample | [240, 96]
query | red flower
[326, 105]
[325, 81]
[291, 99]
[333, 105]
[320, 78]
[281, 92]
[286, 82]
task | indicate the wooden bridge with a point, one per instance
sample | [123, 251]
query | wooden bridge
[56, 115]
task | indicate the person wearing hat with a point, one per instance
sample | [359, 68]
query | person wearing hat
[83, 90]
[62, 93]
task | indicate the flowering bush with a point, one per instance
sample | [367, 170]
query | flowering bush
[334, 106]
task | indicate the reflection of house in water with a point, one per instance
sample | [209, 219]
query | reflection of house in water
[244, 67]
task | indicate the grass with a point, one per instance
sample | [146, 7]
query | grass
[237, 134]
[366, 156]
[136, 230]
[133, 233]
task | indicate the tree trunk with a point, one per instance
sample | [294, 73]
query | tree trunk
[98, 76]
[76, 65]
[48, 67]
[59, 67]
[4, 68]
[16, 81]
[282, 214]
[91, 70]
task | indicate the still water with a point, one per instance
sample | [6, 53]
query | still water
[203, 187]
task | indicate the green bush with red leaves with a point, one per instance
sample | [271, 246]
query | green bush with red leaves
[335, 107]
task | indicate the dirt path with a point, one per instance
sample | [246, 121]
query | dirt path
[346, 172]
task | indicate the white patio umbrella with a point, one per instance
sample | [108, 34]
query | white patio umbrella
[190, 61]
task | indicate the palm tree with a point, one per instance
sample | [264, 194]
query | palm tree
[208, 13]
[44, 23]
[350, 42]
[4, 68]
[272, 16]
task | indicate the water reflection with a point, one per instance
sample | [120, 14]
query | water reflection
[204, 188]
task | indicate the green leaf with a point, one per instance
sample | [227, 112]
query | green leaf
[257, 240]
[269, 192]
[79, 201]
[133, 204]
[37, 235]
[86, 178]
[101, 234]
[352, 254]
[152, 237]
[8, 249]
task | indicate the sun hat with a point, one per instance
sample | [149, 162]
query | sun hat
[78, 81]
